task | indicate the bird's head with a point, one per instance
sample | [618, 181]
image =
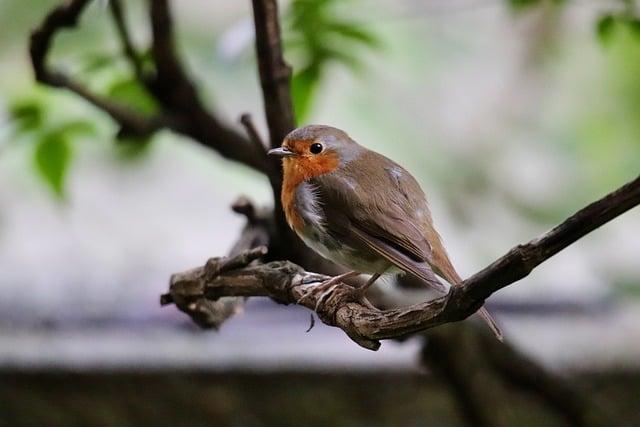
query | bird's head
[314, 150]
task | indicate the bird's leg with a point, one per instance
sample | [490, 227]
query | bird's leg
[361, 291]
[370, 282]
[327, 286]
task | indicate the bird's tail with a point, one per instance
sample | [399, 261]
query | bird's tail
[443, 267]
[482, 312]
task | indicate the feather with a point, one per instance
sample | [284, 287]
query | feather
[397, 258]
[395, 224]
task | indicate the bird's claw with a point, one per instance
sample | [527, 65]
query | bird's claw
[325, 288]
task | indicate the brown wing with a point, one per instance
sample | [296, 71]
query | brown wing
[383, 208]
[395, 256]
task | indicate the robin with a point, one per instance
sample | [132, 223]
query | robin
[361, 210]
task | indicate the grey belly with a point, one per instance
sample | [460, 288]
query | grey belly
[362, 260]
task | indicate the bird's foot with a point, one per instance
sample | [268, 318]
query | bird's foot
[326, 287]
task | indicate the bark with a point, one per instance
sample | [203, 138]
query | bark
[339, 305]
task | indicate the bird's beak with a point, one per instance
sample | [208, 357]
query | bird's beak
[281, 152]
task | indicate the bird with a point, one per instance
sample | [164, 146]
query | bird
[361, 210]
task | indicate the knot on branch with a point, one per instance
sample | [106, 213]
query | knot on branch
[280, 278]
[244, 206]
[459, 303]
[216, 266]
[189, 290]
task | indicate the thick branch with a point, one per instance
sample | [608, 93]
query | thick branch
[178, 95]
[288, 283]
[275, 81]
[275, 74]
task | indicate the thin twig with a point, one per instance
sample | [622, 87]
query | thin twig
[128, 49]
[252, 131]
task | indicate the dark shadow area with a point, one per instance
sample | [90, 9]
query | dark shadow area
[277, 399]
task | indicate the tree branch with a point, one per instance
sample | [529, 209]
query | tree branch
[275, 81]
[211, 313]
[182, 108]
[275, 74]
[178, 95]
[66, 16]
[522, 259]
[288, 283]
[252, 131]
[128, 49]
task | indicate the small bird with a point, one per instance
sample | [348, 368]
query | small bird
[361, 210]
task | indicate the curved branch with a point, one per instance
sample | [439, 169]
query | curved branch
[211, 313]
[182, 109]
[522, 259]
[66, 16]
[339, 306]
[178, 95]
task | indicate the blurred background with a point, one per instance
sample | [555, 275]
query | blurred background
[511, 114]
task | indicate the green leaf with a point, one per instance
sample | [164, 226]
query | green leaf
[75, 128]
[352, 32]
[346, 59]
[51, 158]
[27, 114]
[303, 87]
[605, 27]
[634, 25]
[522, 4]
[94, 62]
[133, 94]
[320, 36]
[131, 149]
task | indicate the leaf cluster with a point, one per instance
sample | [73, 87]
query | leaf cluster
[320, 35]
[52, 149]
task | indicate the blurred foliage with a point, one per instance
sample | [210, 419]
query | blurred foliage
[524, 4]
[608, 23]
[31, 114]
[609, 135]
[318, 36]
[52, 151]
[52, 156]
[130, 92]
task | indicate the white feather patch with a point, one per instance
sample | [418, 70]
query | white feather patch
[309, 205]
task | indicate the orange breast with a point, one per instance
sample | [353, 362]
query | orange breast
[296, 171]
[288, 197]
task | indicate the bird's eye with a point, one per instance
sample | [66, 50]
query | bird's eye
[316, 148]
